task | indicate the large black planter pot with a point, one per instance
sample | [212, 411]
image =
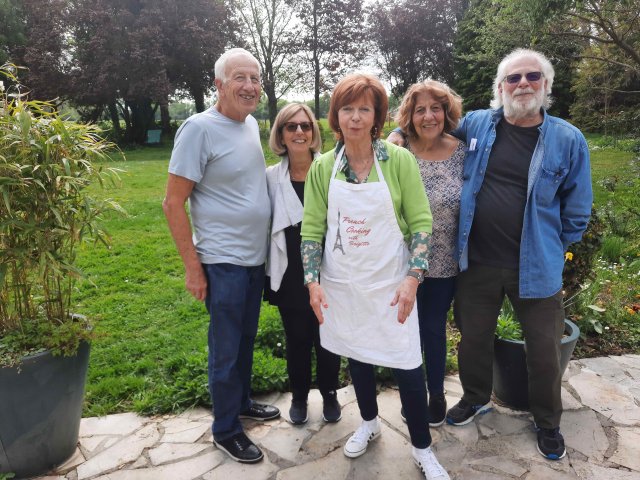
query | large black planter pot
[40, 411]
[510, 383]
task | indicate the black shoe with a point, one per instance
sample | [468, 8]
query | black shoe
[437, 409]
[298, 412]
[331, 410]
[260, 411]
[240, 448]
[463, 412]
[551, 443]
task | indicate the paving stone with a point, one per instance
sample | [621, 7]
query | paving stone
[334, 466]
[589, 471]
[389, 407]
[453, 387]
[231, 470]
[198, 413]
[185, 470]
[285, 440]
[546, 471]
[499, 465]
[628, 451]
[582, 432]
[389, 456]
[125, 451]
[141, 462]
[569, 402]
[492, 424]
[332, 435]
[182, 430]
[91, 445]
[611, 400]
[170, 452]
[467, 435]
[118, 424]
[466, 472]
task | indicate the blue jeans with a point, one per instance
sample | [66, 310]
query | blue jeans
[233, 301]
[413, 396]
[434, 300]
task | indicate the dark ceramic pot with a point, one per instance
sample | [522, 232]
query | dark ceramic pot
[40, 411]
[510, 378]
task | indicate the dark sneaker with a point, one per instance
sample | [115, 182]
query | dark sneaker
[240, 448]
[463, 412]
[298, 412]
[261, 412]
[551, 443]
[437, 409]
[331, 410]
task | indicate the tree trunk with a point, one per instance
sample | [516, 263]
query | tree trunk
[115, 120]
[198, 98]
[165, 118]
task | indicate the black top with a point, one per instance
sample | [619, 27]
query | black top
[497, 224]
[292, 292]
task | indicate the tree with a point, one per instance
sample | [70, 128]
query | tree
[415, 39]
[195, 33]
[613, 23]
[267, 24]
[331, 38]
[12, 33]
[42, 50]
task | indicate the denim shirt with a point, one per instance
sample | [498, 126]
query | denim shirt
[559, 196]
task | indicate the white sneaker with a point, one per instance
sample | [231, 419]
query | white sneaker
[428, 464]
[357, 444]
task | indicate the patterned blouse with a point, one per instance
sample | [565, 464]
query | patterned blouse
[443, 182]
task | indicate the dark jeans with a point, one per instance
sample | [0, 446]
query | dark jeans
[479, 294]
[233, 302]
[434, 300]
[303, 334]
[413, 396]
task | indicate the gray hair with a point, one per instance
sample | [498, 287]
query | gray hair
[220, 68]
[545, 67]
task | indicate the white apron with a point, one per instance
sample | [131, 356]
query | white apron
[365, 260]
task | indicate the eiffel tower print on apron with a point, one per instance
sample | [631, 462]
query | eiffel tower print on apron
[338, 244]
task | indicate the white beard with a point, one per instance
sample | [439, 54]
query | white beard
[518, 109]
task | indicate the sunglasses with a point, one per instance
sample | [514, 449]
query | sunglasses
[293, 126]
[531, 77]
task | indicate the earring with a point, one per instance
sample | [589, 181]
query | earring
[374, 132]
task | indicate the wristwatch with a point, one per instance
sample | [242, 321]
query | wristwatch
[417, 275]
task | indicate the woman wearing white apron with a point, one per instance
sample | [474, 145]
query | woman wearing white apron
[367, 199]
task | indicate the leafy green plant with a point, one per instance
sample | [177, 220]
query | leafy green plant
[46, 165]
[508, 326]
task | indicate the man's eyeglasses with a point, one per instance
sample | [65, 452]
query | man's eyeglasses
[293, 126]
[531, 77]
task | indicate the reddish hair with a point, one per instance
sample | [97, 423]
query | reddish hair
[354, 87]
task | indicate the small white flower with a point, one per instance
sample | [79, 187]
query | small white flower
[278, 344]
[1, 86]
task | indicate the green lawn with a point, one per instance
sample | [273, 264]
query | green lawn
[150, 350]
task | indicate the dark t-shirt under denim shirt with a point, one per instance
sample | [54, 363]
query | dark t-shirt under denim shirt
[497, 225]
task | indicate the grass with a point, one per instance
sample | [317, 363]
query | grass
[150, 352]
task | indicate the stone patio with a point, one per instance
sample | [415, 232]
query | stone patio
[601, 426]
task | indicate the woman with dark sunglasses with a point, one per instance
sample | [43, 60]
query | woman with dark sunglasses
[295, 136]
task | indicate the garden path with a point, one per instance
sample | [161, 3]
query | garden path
[601, 426]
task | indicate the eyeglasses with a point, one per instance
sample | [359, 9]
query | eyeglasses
[531, 77]
[293, 126]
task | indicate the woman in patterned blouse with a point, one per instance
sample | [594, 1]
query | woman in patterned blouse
[429, 111]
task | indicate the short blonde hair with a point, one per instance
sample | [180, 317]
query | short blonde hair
[288, 111]
[353, 87]
[450, 100]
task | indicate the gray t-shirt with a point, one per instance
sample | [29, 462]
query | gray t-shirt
[229, 204]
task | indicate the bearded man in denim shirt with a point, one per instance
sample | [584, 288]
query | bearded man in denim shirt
[526, 197]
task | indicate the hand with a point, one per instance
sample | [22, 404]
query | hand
[396, 138]
[405, 297]
[196, 282]
[317, 300]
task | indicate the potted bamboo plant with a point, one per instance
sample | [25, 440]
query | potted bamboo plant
[46, 213]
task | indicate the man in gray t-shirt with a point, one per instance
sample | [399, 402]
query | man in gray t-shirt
[217, 165]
